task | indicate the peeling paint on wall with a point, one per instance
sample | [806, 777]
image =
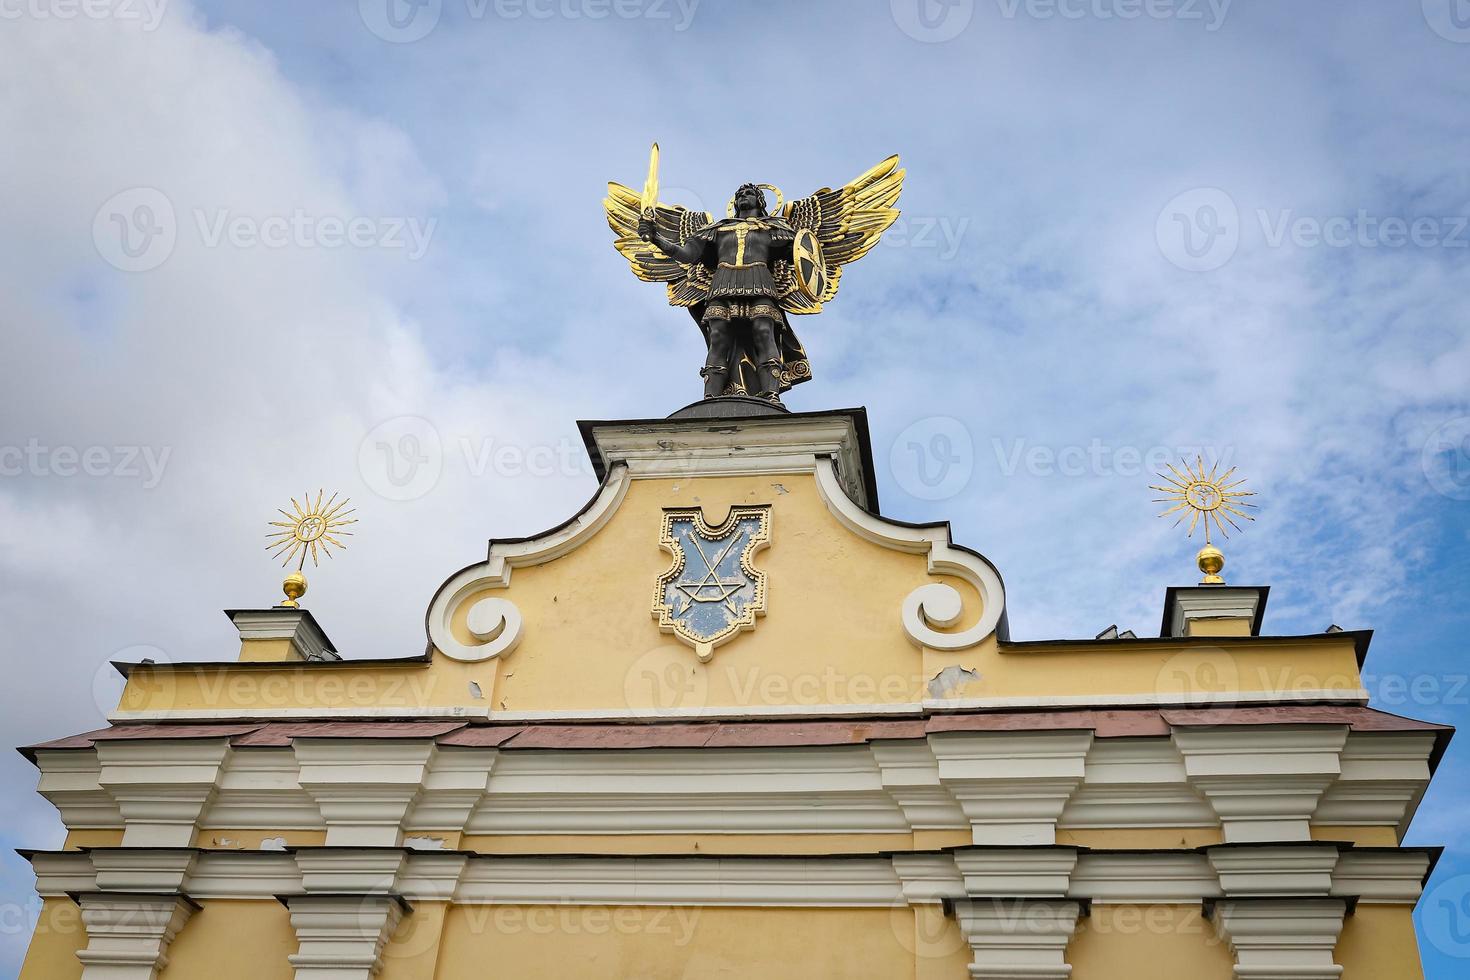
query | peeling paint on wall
[951, 681]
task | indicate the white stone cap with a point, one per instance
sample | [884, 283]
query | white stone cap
[1184, 604]
[308, 640]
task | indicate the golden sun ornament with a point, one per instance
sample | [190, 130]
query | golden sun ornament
[311, 531]
[1208, 498]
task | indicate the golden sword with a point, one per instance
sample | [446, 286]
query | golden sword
[650, 186]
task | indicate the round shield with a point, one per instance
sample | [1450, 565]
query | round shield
[806, 259]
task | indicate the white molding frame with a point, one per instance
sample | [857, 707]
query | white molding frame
[1381, 876]
[1019, 872]
[1388, 876]
[933, 604]
[738, 713]
[1144, 878]
[1267, 871]
[769, 445]
[497, 620]
[1004, 787]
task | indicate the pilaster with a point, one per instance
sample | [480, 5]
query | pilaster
[1018, 938]
[128, 935]
[1282, 939]
[364, 792]
[1012, 787]
[161, 786]
[1293, 870]
[1264, 782]
[341, 937]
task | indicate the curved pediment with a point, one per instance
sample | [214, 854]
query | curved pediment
[736, 545]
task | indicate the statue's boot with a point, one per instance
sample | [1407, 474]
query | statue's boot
[714, 380]
[770, 378]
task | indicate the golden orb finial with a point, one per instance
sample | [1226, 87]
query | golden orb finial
[312, 530]
[1210, 560]
[1208, 497]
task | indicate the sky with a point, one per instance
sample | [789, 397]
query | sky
[252, 250]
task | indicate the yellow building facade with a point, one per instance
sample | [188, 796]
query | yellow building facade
[728, 721]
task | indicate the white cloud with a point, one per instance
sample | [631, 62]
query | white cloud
[1058, 320]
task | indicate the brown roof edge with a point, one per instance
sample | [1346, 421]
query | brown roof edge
[697, 733]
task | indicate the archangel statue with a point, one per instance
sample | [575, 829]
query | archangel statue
[742, 276]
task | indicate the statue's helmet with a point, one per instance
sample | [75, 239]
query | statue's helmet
[757, 192]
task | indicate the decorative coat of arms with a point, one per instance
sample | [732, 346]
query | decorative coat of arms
[712, 590]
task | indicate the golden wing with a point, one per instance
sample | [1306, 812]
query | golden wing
[847, 222]
[687, 284]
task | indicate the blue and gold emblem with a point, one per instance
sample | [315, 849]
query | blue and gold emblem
[712, 590]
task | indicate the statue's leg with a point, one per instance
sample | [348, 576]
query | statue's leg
[716, 370]
[768, 357]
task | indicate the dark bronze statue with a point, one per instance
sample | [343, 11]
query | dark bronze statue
[741, 276]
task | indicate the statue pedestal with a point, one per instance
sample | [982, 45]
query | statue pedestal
[729, 407]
